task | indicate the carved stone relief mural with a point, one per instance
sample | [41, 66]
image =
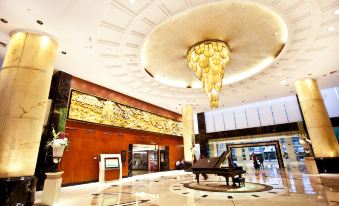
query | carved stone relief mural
[88, 108]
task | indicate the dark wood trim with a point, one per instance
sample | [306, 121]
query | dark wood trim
[335, 121]
[202, 138]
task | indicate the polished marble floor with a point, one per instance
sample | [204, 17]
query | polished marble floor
[291, 186]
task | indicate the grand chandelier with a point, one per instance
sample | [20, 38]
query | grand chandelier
[208, 59]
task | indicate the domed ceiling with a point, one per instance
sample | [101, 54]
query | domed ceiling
[254, 34]
[111, 42]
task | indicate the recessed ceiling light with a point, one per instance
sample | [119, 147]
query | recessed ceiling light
[286, 82]
[333, 72]
[276, 33]
[336, 12]
[63, 52]
[3, 44]
[331, 28]
[39, 22]
[293, 65]
[132, 1]
[4, 21]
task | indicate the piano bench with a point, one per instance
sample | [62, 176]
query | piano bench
[240, 181]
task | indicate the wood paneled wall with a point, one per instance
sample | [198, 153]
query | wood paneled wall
[80, 161]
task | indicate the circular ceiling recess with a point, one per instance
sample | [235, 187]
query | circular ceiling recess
[255, 35]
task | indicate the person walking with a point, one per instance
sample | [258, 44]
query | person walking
[255, 162]
[261, 161]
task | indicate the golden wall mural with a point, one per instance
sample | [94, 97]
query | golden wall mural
[88, 108]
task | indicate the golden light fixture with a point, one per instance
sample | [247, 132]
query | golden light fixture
[209, 59]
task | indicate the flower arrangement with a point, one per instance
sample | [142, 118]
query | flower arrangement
[58, 143]
[59, 139]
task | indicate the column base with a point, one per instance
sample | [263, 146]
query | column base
[52, 187]
[17, 190]
[311, 166]
[327, 164]
[188, 166]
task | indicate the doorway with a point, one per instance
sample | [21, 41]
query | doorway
[269, 151]
[149, 158]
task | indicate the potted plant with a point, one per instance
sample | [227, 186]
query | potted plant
[58, 143]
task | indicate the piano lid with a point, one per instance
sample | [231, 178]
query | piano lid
[211, 163]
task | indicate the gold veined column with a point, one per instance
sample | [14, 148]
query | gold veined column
[318, 123]
[24, 86]
[188, 131]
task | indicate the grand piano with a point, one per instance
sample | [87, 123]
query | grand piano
[213, 166]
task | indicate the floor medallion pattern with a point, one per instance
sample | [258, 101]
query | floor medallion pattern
[220, 186]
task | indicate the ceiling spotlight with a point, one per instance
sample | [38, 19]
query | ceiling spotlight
[331, 28]
[4, 21]
[39, 22]
[132, 1]
[293, 65]
[336, 12]
[63, 52]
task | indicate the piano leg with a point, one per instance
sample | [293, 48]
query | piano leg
[234, 185]
[197, 177]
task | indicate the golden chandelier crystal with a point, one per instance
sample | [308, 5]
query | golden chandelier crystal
[208, 59]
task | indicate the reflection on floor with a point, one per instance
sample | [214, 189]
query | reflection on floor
[140, 172]
[291, 186]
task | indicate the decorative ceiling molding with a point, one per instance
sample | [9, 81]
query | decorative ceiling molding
[120, 29]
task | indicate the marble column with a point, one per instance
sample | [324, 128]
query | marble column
[247, 153]
[292, 156]
[24, 85]
[240, 160]
[282, 150]
[318, 124]
[213, 149]
[188, 131]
